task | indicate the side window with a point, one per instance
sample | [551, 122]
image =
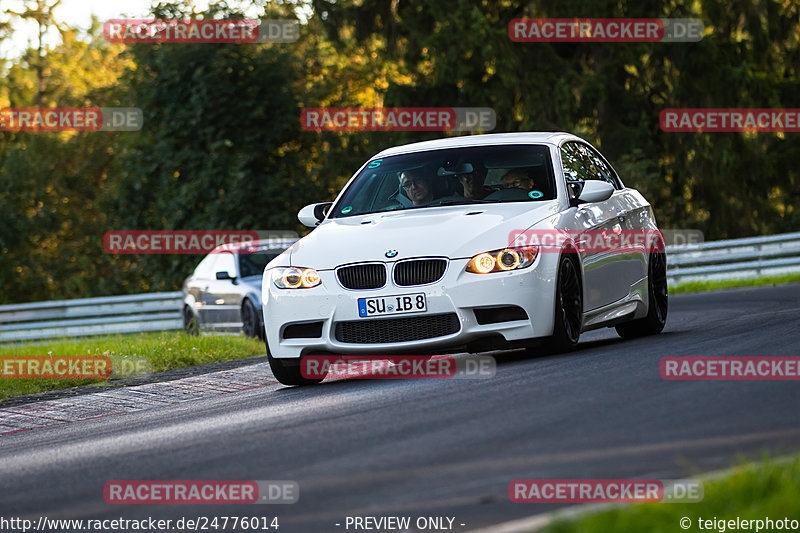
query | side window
[613, 178]
[205, 270]
[572, 162]
[225, 263]
[597, 167]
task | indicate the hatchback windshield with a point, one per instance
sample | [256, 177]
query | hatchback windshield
[520, 173]
[252, 264]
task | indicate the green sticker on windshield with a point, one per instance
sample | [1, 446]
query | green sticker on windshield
[535, 194]
[347, 209]
[375, 164]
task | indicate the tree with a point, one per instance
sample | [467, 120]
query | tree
[51, 183]
[42, 13]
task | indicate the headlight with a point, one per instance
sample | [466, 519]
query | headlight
[295, 278]
[502, 260]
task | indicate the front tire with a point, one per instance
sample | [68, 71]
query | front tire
[190, 325]
[251, 325]
[288, 373]
[658, 301]
[568, 319]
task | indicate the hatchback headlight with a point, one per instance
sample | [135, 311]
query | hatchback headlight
[503, 260]
[295, 278]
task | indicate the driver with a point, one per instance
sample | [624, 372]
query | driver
[417, 187]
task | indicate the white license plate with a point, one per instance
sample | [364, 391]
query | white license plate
[392, 305]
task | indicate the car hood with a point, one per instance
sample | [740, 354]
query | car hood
[452, 231]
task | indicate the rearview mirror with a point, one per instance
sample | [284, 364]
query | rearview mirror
[312, 214]
[225, 275]
[595, 191]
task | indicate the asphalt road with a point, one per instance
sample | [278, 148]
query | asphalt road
[440, 447]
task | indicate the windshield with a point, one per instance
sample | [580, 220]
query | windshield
[482, 174]
[252, 264]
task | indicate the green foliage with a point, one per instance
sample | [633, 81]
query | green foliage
[220, 148]
[51, 183]
[701, 286]
[751, 492]
[726, 184]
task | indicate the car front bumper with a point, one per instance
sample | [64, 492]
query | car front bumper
[459, 305]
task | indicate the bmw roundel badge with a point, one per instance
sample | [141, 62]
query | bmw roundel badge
[391, 253]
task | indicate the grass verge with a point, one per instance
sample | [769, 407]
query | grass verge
[701, 286]
[164, 351]
[768, 489]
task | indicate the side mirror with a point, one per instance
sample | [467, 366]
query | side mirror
[594, 191]
[225, 275]
[312, 214]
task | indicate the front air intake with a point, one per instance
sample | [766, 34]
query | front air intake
[362, 276]
[419, 271]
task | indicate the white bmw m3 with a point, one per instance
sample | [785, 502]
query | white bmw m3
[468, 243]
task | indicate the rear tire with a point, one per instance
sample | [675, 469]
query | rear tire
[658, 301]
[288, 374]
[568, 317]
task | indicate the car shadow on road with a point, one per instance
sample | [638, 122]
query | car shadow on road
[540, 353]
[584, 348]
[590, 348]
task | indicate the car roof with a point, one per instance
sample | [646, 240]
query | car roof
[532, 137]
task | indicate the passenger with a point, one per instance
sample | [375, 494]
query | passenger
[417, 188]
[473, 185]
[517, 177]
